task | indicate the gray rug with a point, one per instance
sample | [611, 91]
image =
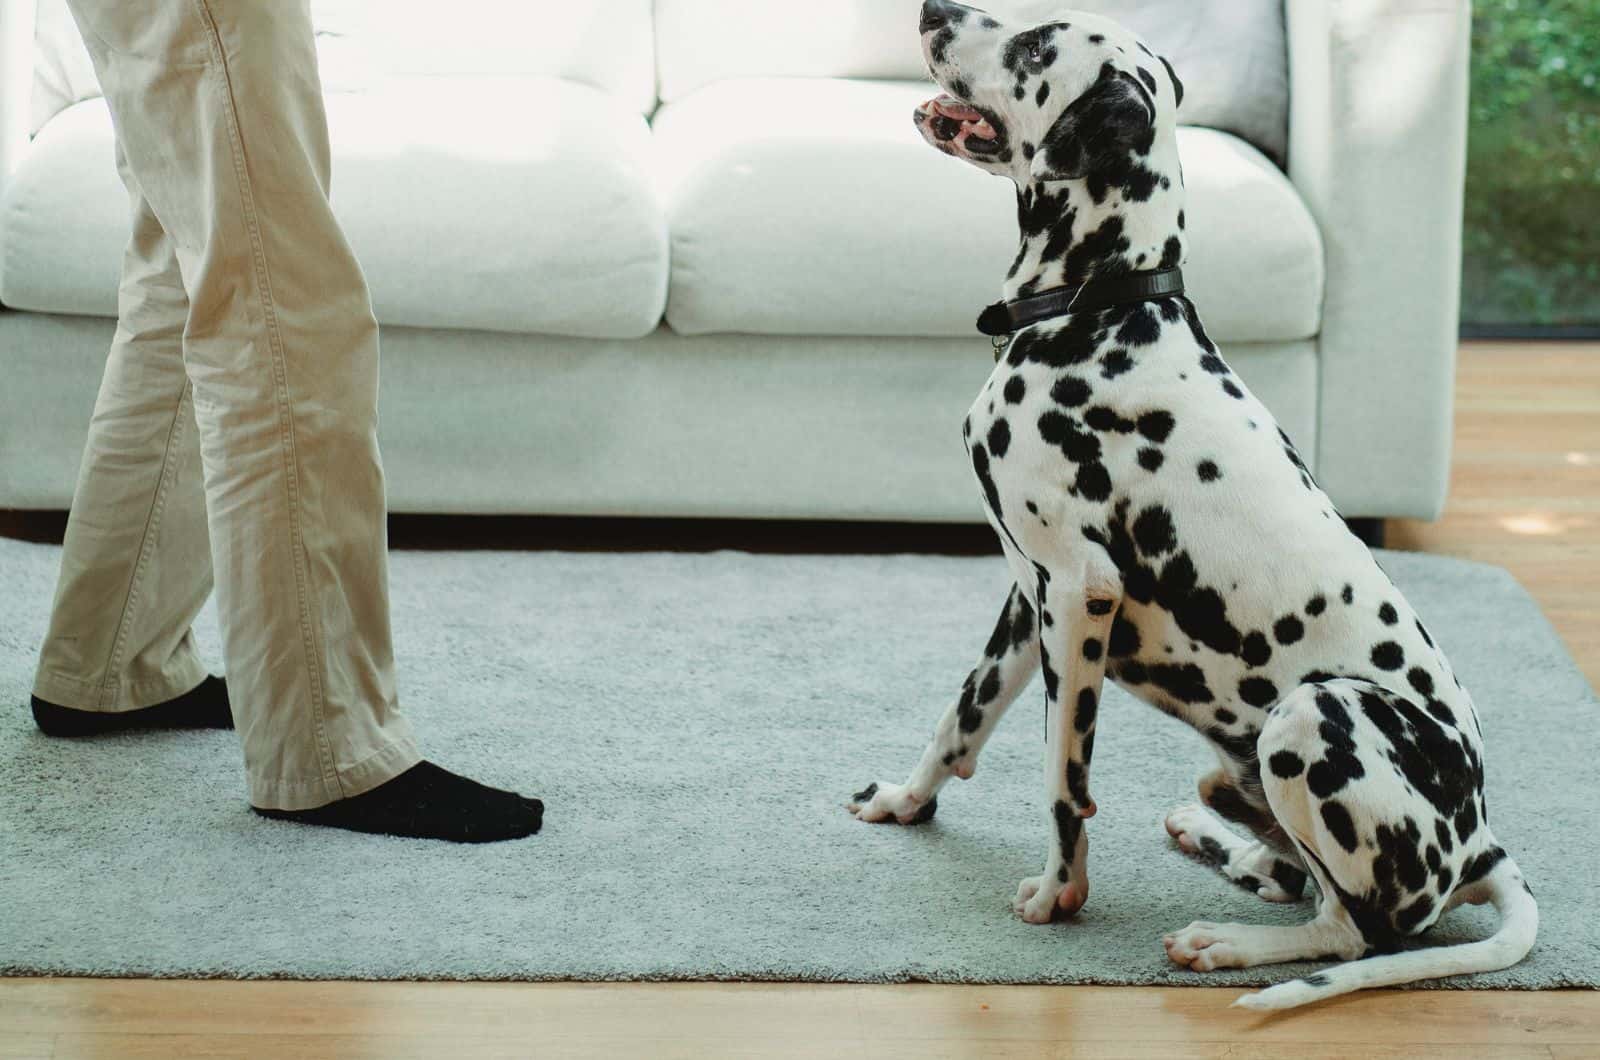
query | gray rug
[695, 723]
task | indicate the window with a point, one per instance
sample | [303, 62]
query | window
[1532, 238]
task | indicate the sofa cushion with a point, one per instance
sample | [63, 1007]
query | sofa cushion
[786, 219]
[510, 204]
[1230, 54]
[605, 43]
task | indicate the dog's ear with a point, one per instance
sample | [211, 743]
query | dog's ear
[1116, 115]
[1177, 86]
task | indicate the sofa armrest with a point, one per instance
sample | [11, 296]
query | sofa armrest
[1377, 148]
[16, 82]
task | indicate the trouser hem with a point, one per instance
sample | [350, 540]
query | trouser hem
[377, 768]
[76, 693]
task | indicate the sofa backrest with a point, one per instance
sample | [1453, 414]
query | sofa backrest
[1231, 54]
[605, 43]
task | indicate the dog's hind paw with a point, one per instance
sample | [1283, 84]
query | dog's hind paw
[891, 802]
[1251, 865]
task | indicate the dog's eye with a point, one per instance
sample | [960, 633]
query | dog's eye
[1036, 54]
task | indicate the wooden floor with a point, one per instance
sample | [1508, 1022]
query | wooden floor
[1526, 495]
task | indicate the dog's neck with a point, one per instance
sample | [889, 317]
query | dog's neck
[1068, 238]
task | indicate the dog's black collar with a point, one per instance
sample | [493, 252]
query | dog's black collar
[1005, 318]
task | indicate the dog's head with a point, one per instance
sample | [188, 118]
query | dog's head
[1077, 97]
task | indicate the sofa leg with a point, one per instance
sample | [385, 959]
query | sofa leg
[1370, 531]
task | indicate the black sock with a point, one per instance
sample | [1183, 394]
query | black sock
[203, 707]
[427, 802]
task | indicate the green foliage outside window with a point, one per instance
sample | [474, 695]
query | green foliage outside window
[1532, 240]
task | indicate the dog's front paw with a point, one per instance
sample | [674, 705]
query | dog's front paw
[891, 802]
[1204, 946]
[1040, 899]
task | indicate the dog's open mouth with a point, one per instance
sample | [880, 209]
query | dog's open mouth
[958, 124]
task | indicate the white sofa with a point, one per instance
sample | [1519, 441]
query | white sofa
[681, 258]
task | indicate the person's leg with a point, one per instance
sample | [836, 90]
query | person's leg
[218, 108]
[135, 568]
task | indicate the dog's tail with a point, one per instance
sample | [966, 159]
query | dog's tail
[1519, 923]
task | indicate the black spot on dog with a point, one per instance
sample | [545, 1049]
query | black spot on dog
[1288, 629]
[1124, 638]
[1291, 879]
[1479, 866]
[1140, 328]
[1200, 337]
[1441, 832]
[1088, 707]
[1231, 388]
[968, 716]
[1225, 716]
[1022, 628]
[1255, 650]
[1348, 594]
[1337, 768]
[1092, 649]
[1171, 254]
[1258, 691]
[1388, 656]
[999, 438]
[1407, 919]
[1425, 638]
[1153, 531]
[1420, 680]
[1286, 764]
[1208, 471]
[1068, 827]
[1185, 682]
[1071, 391]
[1043, 93]
[1062, 431]
[1228, 801]
[1115, 363]
[1316, 605]
[1386, 614]
[1077, 785]
[1015, 390]
[1105, 420]
[1150, 459]
[1104, 244]
[980, 466]
[1340, 826]
[1156, 426]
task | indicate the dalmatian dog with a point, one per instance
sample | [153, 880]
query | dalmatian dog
[1163, 531]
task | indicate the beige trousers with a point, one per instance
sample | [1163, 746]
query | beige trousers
[234, 438]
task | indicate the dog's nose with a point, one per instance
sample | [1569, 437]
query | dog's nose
[936, 14]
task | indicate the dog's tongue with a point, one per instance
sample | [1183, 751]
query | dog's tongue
[950, 107]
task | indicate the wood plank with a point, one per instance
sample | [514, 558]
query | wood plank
[455, 1046]
[641, 1013]
[25, 1046]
